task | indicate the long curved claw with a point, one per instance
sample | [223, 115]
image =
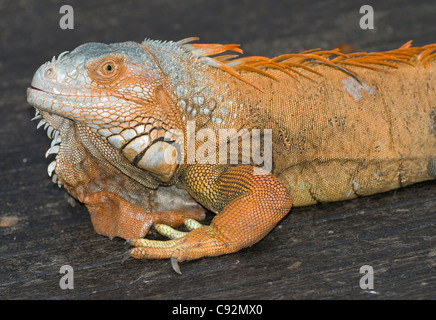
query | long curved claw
[126, 256]
[175, 265]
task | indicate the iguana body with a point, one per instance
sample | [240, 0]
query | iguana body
[342, 126]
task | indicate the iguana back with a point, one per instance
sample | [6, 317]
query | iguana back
[343, 125]
[347, 136]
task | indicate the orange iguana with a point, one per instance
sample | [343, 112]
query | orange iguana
[121, 117]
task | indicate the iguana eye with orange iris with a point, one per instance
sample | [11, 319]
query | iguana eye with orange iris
[108, 68]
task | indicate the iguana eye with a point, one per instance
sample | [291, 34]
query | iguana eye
[108, 68]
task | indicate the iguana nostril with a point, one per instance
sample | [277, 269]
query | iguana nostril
[50, 73]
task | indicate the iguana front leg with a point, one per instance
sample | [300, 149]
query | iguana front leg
[119, 206]
[248, 205]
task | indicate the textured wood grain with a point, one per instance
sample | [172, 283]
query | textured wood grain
[315, 252]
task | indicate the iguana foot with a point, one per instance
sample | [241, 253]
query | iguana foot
[199, 242]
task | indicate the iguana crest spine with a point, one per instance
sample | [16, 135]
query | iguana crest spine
[291, 63]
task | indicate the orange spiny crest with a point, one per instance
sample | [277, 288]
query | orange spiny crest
[429, 57]
[247, 61]
[288, 69]
[359, 64]
[315, 57]
[257, 70]
[203, 50]
[187, 40]
[367, 61]
[290, 64]
[307, 60]
[207, 49]
[406, 45]
[310, 50]
[226, 57]
[224, 67]
[428, 54]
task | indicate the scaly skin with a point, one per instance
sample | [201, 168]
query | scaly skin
[343, 126]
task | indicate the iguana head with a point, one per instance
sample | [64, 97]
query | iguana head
[137, 97]
[100, 85]
[119, 92]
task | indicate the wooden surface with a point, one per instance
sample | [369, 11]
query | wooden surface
[314, 253]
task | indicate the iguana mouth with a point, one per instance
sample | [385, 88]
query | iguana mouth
[34, 88]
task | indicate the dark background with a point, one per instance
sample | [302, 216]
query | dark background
[314, 253]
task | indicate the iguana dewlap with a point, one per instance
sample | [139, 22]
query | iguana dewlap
[341, 126]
